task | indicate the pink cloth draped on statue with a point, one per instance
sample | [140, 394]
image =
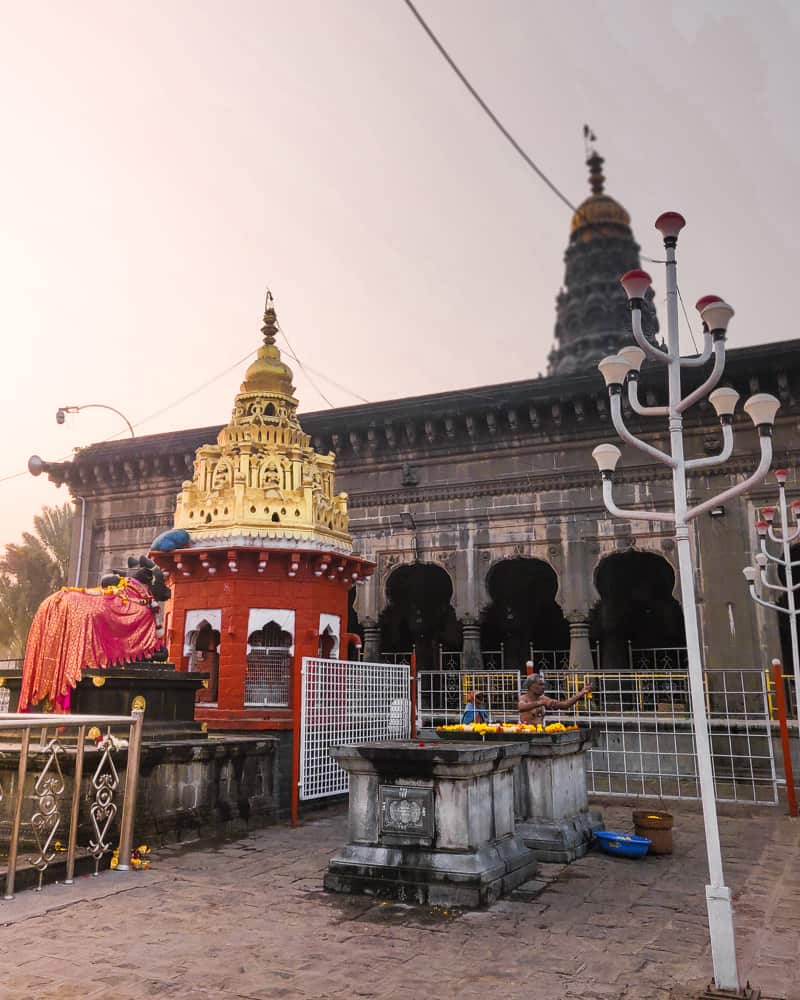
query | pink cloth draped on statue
[75, 629]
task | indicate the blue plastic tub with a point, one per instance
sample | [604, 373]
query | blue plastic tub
[623, 844]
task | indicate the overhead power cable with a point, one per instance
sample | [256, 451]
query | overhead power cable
[500, 126]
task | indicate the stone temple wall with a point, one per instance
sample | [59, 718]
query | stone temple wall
[489, 474]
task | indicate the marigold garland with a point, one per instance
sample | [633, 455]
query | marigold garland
[482, 728]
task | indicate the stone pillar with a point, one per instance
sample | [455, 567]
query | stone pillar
[372, 640]
[471, 658]
[580, 651]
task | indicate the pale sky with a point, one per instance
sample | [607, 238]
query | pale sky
[164, 162]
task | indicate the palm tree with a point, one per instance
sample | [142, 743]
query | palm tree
[30, 571]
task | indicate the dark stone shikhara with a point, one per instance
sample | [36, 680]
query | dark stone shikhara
[592, 315]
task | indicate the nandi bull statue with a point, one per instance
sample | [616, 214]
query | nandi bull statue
[80, 627]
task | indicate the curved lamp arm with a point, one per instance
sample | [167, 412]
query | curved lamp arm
[638, 335]
[776, 559]
[641, 515]
[723, 456]
[735, 491]
[716, 374]
[793, 535]
[766, 604]
[773, 586]
[703, 358]
[636, 406]
[625, 434]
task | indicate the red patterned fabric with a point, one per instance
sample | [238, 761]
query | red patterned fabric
[74, 629]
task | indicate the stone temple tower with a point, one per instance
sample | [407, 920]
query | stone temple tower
[592, 315]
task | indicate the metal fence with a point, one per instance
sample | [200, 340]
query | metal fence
[48, 821]
[658, 658]
[442, 695]
[545, 660]
[643, 742]
[398, 658]
[347, 702]
[789, 693]
[491, 659]
[267, 678]
[641, 723]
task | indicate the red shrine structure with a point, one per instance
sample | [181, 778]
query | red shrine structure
[264, 567]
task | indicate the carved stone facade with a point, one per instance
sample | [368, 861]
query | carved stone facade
[477, 498]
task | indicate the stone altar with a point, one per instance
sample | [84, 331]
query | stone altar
[431, 823]
[550, 797]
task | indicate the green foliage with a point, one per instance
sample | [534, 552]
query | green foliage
[30, 571]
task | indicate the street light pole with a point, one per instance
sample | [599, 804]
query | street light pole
[63, 410]
[761, 408]
[757, 576]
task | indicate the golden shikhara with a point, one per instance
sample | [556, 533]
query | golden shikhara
[263, 483]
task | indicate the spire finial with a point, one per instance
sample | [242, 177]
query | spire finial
[270, 327]
[594, 161]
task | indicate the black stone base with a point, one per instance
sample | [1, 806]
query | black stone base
[433, 878]
[560, 841]
[169, 698]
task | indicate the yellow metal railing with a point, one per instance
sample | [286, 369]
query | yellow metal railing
[772, 701]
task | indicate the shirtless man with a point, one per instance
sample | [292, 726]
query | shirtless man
[534, 703]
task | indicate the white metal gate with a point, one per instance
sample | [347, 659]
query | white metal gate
[345, 702]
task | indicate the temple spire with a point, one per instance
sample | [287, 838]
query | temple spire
[592, 315]
[270, 327]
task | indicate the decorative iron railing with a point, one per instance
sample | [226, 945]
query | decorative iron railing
[48, 819]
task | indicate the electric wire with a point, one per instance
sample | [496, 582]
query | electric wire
[688, 323]
[205, 385]
[501, 127]
[303, 367]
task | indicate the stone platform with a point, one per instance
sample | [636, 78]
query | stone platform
[551, 799]
[431, 823]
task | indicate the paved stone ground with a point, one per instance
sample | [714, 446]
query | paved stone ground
[247, 920]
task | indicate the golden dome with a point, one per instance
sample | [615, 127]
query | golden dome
[598, 209]
[268, 373]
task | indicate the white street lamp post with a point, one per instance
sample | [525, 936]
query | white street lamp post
[757, 576]
[761, 409]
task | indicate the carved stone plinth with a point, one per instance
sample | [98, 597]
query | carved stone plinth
[431, 823]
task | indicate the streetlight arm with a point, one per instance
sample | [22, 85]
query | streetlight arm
[773, 586]
[723, 456]
[735, 491]
[776, 559]
[638, 335]
[792, 536]
[766, 604]
[701, 359]
[99, 406]
[625, 434]
[636, 406]
[641, 515]
[716, 374]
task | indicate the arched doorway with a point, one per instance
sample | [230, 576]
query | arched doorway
[202, 643]
[523, 612]
[636, 609]
[419, 614]
[354, 626]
